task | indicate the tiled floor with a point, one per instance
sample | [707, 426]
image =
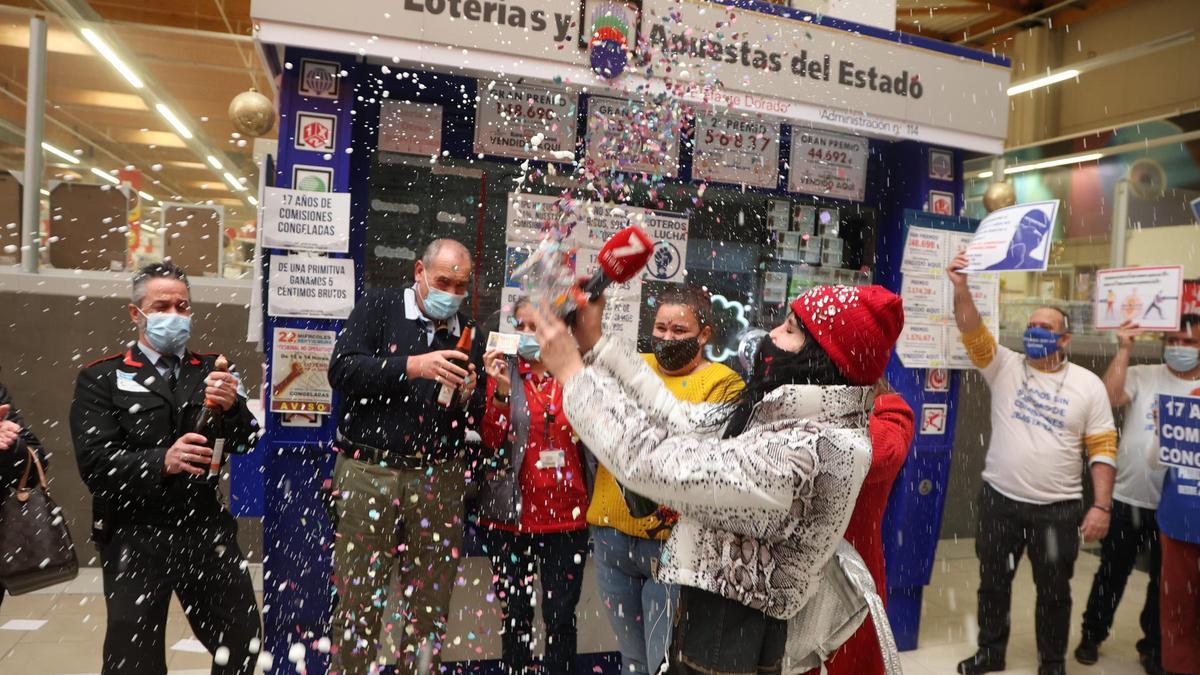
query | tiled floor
[948, 626]
[70, 642]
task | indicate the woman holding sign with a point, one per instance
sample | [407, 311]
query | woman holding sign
[764, 486]
[1138, 488]
[532, 504]
[1179, 518]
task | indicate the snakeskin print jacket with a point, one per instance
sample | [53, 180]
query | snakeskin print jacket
[761, 513]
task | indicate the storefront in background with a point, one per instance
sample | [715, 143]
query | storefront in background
[765, 150]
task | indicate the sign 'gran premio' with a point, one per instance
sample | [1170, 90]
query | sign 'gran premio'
[718, 54]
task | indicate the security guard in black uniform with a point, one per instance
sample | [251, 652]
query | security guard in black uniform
[158, 519]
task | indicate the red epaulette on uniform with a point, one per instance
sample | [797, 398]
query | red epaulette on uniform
[106, 358]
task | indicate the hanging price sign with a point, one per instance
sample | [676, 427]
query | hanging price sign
[830, 165]
[737, 149]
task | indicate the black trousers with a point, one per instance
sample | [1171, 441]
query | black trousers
[1132, 531]
[558, 560]
[717, 636]
[1050, 533]
[144, 564]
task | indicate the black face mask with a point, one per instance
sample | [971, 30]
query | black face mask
[675, 354]
[774, 367]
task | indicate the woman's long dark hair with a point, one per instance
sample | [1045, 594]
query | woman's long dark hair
[774, 368]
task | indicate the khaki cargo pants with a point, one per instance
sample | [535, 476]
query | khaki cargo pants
[385, 516]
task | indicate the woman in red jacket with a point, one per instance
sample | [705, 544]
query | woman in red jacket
[532, 505]
[891, 429]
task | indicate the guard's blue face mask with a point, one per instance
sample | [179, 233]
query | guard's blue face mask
[167, 332]
[1040, 342]
[439, 304]
[529, 349]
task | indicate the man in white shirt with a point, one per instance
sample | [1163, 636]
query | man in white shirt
[1138, 488]
[1046, 415]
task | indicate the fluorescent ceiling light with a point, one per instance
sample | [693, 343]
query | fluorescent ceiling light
[253, 200]
[147, 196]
[1048, 164]
[59, 153]
[102, 47]
[234, 182]
[1105, 60]
[1044, 81]
[106, 176]
[215, 163]
[45, 192]
[175, 121]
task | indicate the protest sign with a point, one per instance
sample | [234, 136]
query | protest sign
[1151, 297]
[311, 287]
[1179, 431]
[300, 370]
[306, 221]
[1014, 238]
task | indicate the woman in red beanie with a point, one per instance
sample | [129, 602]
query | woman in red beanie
[764, 486]
[891, 428]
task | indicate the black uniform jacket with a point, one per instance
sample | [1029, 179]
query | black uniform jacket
[14, 462]
[123, 420]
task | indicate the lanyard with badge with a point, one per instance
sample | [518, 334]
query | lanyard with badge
[549, 457]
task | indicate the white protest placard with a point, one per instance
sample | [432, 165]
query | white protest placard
[739, 149]
[1151, 297]
[300, 370]
[622, 310]
[1013, 239]
[525, 121]
[594, 222]
[306, 221]
[828, 164]
[669, 232]
[630, 136]
[310, 286]
[410, 128]
[1179, 431]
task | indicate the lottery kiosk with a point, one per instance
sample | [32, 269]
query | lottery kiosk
[764, 149]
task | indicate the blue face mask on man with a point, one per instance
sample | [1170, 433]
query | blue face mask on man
[439, 304]
[529, 349]
[167, 332]
[1181, 358]
[1040, 342]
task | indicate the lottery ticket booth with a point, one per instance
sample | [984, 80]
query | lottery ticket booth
[764, 149]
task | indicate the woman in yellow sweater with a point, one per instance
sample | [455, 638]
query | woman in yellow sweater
[626, 548]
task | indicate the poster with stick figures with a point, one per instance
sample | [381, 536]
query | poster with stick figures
[1150, 297]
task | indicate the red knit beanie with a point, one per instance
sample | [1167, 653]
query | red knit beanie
[856, 325]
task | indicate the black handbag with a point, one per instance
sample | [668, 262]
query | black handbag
[36, 550]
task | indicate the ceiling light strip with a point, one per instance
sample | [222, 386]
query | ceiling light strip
[109, 55]
[174, 121]
[60, 153]
[106, 176]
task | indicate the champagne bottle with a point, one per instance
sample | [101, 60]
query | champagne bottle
[209, 414]
[448, 396]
